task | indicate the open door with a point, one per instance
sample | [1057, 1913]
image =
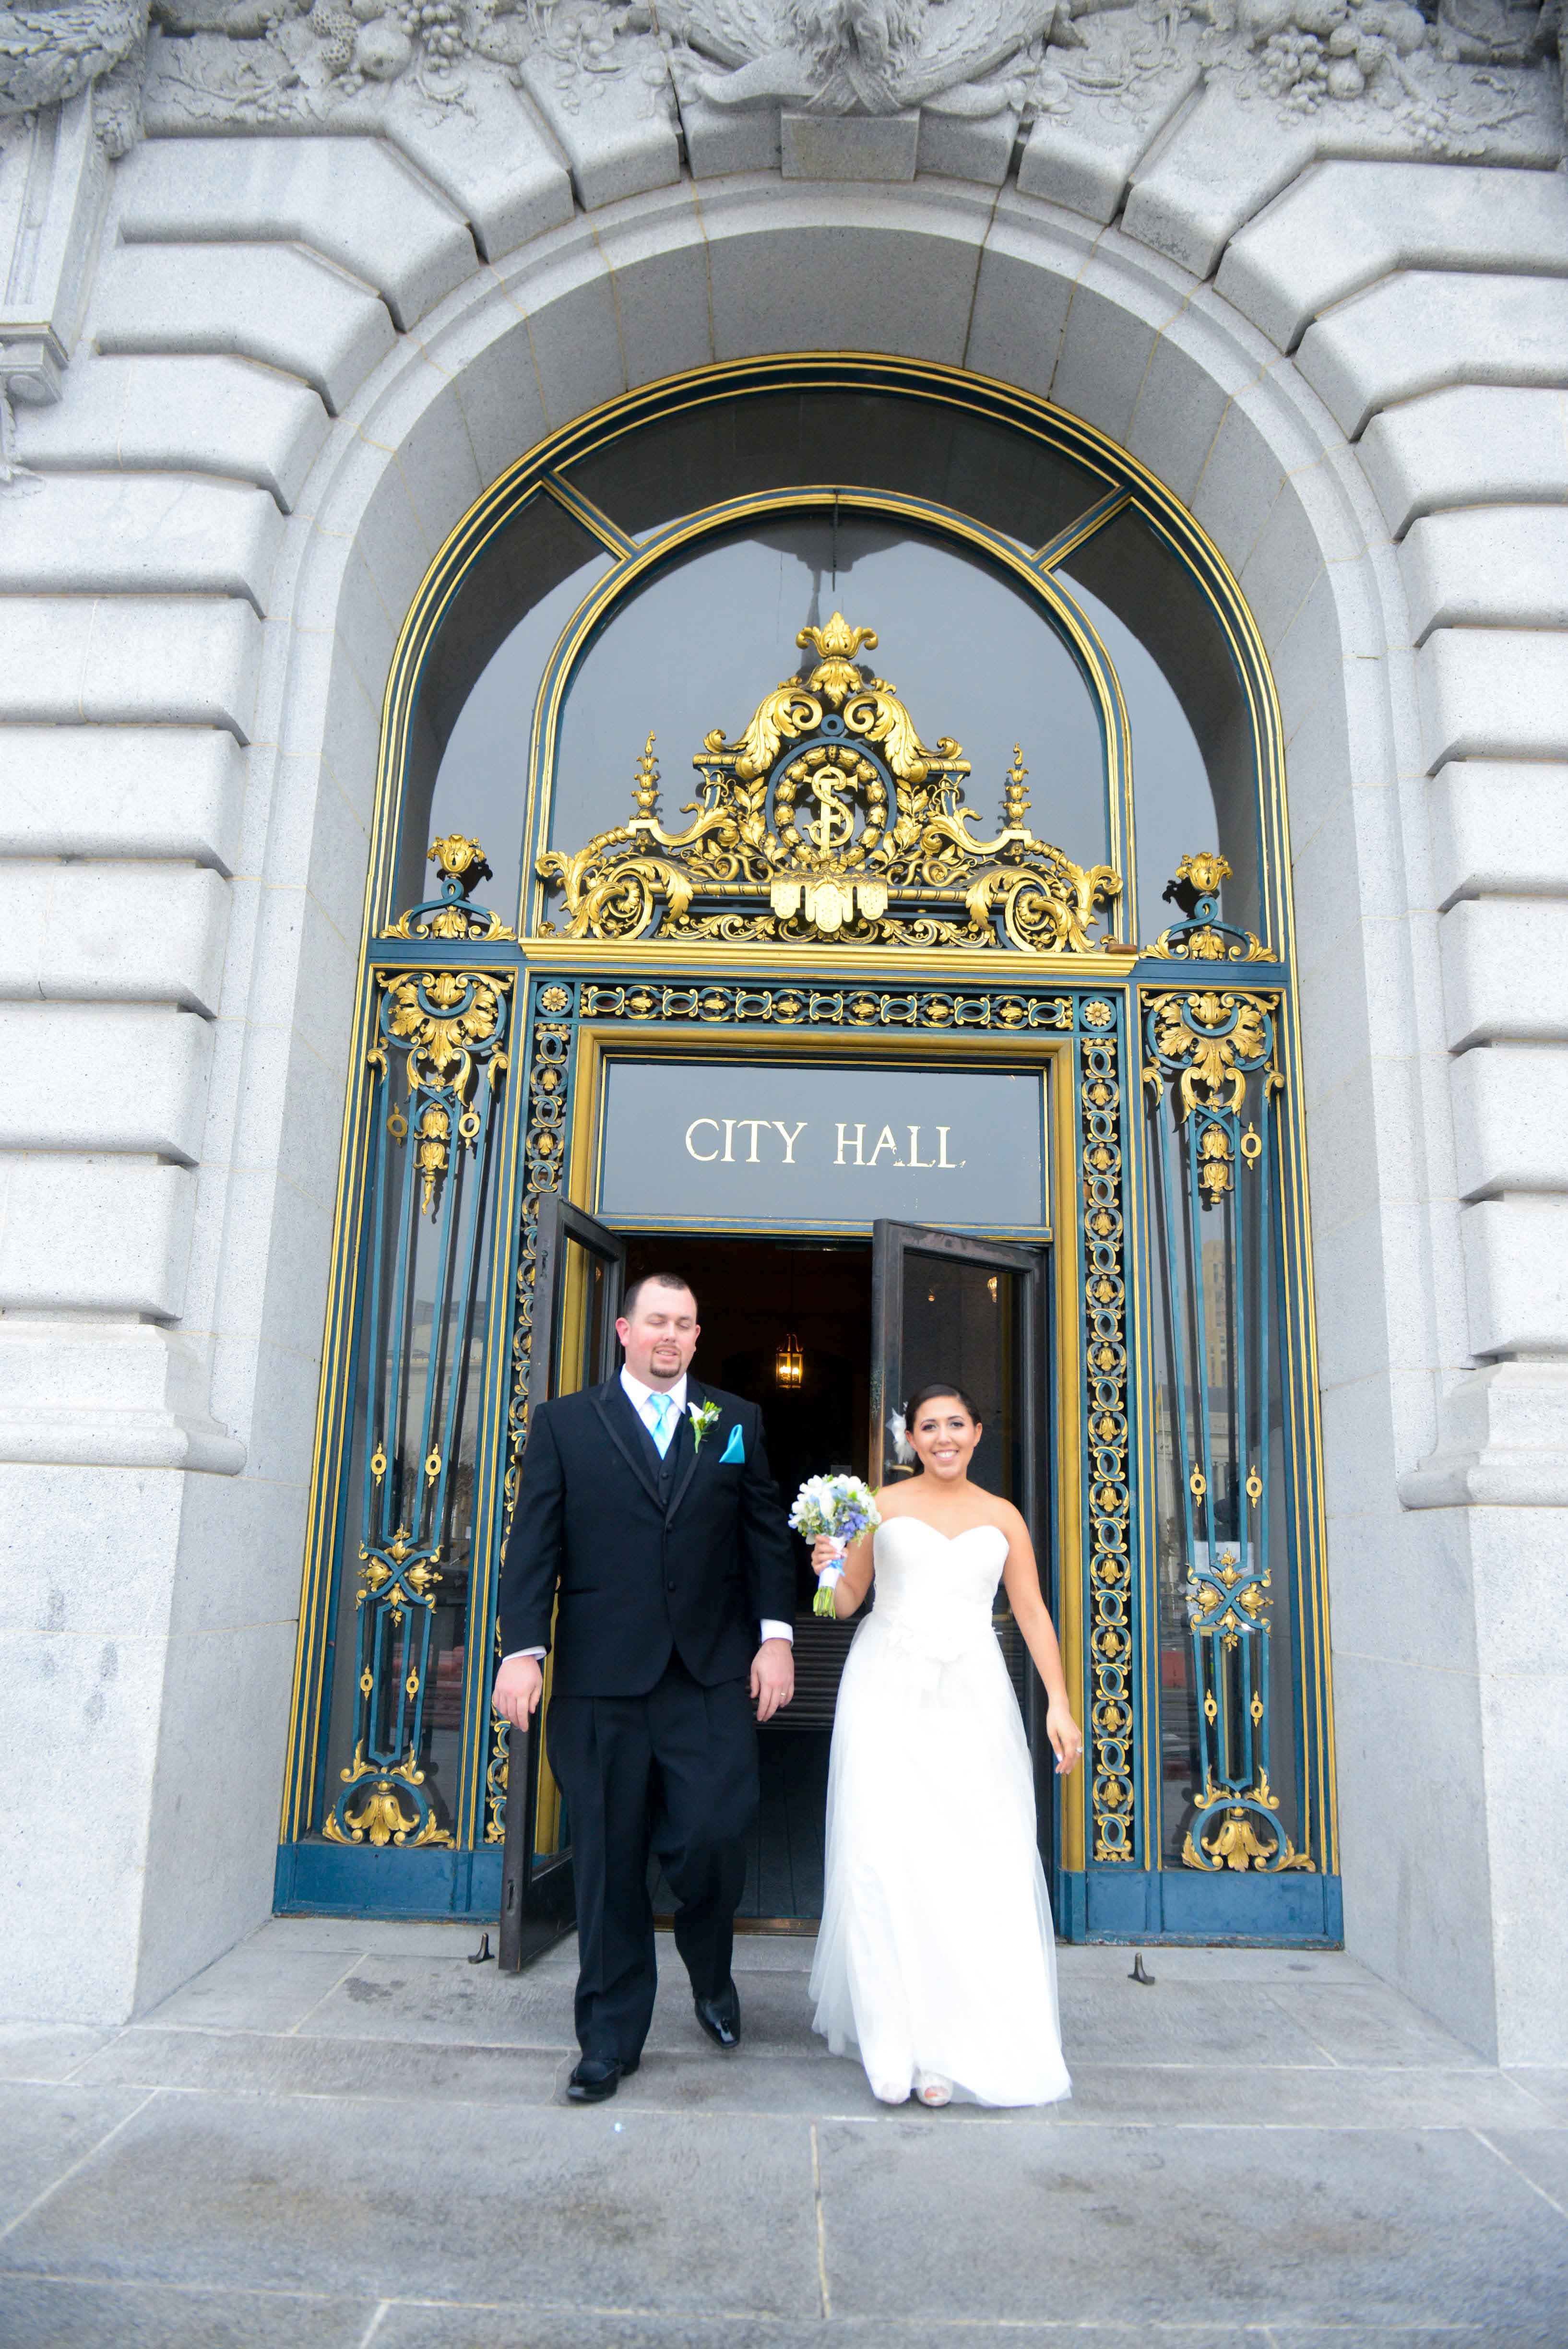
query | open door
[944, 1306]
[579, 1269]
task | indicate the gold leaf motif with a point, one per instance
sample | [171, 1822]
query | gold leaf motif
[379, 1820]
[1206, 871]
[1236, 1822]
[449, 1021]
[1207, 1037]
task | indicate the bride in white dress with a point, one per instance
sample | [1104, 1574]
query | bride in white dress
[936, 1960]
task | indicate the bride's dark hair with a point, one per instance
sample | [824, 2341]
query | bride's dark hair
[923, 1395]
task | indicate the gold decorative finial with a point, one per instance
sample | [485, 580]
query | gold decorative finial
[836, 673]
[460, 860]
[1201, 935]
[645, 786]
[1015, 798]
[461, 866]
[1205, 870]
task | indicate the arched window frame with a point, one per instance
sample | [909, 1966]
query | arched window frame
[637, 562]
[1128, 487]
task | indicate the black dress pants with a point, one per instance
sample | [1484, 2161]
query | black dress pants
[675, 1773]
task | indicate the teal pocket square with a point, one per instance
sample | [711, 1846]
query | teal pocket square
[734, 1450]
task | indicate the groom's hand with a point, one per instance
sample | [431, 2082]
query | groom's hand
[519, 1685]
[773, 1676]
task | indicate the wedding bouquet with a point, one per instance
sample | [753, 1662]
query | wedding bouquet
[841, 1508]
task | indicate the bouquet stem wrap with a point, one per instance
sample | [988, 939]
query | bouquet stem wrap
[836, 1509]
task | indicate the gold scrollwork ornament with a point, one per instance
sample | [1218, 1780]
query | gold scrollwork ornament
[829, 818]
[380, 1819]
[1233, 1841]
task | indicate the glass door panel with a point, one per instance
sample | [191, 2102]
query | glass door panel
[579, 1268]
[397, 1661]
[945, 1306]
[1230, 1761]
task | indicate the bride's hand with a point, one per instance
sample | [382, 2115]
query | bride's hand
[1067, 1738]
[826, 1552]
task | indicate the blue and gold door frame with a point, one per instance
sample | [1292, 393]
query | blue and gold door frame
[837, 905]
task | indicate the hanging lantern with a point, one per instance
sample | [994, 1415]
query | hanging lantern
[789, 1364]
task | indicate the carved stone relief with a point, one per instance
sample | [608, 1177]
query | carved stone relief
[1450, 81]
[1453, 78]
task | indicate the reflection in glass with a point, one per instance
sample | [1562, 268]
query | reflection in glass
[974, 656]
[1157, 598]
[472, 724]
[874, 441]
[960, 1323]
[1173, 804]
[587, 1353]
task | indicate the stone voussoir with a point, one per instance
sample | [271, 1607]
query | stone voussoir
[1348, 223]
[356, 201]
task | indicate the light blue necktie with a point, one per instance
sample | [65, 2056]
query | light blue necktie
[665, 1427]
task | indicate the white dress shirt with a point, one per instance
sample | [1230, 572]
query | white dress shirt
[642, 1398]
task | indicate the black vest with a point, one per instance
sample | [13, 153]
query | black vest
[663, 1469]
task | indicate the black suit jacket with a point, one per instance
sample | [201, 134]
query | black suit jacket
[640, 1577]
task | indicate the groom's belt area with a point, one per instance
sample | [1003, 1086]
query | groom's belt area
[622, 1613]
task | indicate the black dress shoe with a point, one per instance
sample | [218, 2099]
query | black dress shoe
[598, 2076]
[720, 2016]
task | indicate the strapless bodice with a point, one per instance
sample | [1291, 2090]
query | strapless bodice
[934, 1591]
[936, 1951]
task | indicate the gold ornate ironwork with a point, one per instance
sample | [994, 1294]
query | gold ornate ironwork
[1210, 1042]
[829, 818]
[1203, 937]
[460, 867]
[1234, 1840]
[544, 1154]
[1215, 1037]
[448, 1020]
[1227, 1598]
[379, 1818]
[1112, 1656]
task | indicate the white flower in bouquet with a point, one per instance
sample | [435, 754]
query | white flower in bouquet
[840, 1508]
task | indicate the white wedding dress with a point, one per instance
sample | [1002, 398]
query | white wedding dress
[937, 1952]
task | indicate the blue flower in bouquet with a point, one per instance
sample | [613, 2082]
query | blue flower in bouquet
[841, 1508]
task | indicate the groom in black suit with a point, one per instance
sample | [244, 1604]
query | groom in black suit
[649, 1528]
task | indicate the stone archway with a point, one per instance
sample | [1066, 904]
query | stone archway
[1189, 378]
[1119, 338]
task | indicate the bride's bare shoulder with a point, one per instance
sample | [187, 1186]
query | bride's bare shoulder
[892, 1501]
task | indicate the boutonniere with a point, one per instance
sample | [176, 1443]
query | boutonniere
[703, 1416]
